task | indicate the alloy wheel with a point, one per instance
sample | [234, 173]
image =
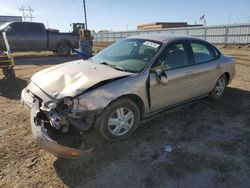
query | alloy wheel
[121, 121]
[220, 86]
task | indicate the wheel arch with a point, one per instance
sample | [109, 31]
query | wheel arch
[228, 76]
[136, 99]
[63, 41]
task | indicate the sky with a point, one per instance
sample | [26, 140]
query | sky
[118, 15]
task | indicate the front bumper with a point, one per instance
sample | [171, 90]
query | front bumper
[43, 137]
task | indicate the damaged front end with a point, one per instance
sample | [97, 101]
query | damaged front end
[56, 123]
[65, 100]
[64, 115]
[63, 146]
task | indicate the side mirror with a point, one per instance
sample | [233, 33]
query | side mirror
[160, 75]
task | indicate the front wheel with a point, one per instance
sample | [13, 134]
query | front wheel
[219, 88]
[119, 120]
[63, 49]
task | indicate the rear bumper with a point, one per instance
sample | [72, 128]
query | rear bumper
[43, 137]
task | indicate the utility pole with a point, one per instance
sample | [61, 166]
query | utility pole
[85, 14]
[27, 13]
[229, 18]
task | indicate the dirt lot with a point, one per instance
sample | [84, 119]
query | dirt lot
[210, 141]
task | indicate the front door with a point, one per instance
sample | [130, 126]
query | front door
[179, 74]
[37, 37]
[17, 37]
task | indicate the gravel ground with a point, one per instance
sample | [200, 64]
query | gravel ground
[210, 141]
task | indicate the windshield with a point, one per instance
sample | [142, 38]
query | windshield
[4, 25]
[131, 55]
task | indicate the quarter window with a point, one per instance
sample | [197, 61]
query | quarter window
[35, 28]
[216, 51]
[201, 53]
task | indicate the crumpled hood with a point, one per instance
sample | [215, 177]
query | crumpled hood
[72, 78]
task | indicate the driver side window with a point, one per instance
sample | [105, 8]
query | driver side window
[173, 56]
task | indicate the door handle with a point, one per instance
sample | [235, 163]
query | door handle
[188, 74]
[218, 66]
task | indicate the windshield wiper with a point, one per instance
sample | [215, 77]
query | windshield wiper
[115, 66]
[121, 68]
[111, 65]
[105, 63]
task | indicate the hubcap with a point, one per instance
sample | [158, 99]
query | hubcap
[121, 121]
[220, 86]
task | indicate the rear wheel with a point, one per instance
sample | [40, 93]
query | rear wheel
[219, 88]
[119, 120]
[63, 49]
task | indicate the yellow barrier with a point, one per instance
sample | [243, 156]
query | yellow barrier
[7, 64]
[6, 60]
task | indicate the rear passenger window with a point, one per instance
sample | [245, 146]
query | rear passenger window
[35, 28]
[201, 53]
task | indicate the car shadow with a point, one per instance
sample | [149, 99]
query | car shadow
[11, 89]
[151, 133]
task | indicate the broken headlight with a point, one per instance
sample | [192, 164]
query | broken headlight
[64, 106]
[68, 102]
[78, 108]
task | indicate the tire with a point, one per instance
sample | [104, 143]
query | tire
[9, 73]
[219, 88]
[63, 49]
[110, 129]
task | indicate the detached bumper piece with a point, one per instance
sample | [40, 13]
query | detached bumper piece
[58, 144]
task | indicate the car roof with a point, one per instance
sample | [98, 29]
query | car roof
[163, 37]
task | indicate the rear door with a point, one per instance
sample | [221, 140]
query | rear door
[36, 36]
[16, 35]
[179, 74]
[205, 68]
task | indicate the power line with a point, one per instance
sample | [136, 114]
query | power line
[27, 13]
